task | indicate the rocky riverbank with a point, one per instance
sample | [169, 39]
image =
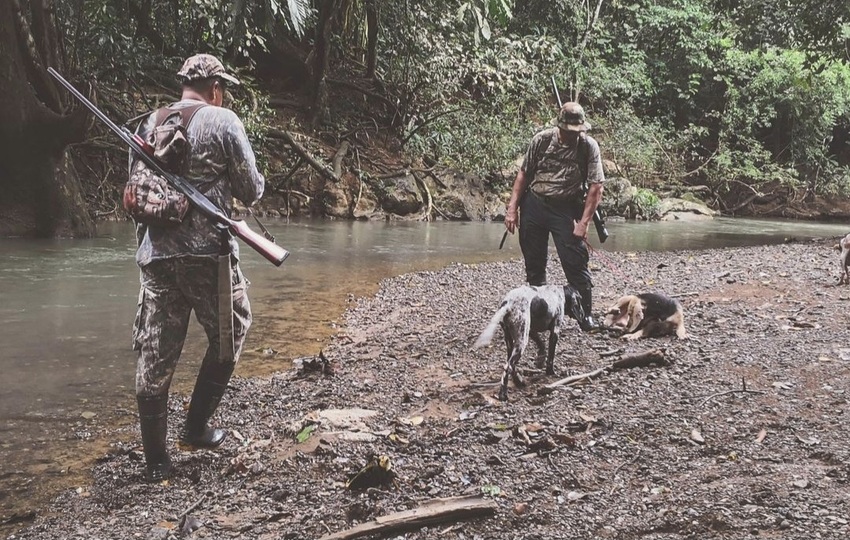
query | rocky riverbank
[742, 435]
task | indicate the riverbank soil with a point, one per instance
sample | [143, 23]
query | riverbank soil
[743, 435]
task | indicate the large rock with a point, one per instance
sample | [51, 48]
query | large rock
[618, 196]
[467, 197]
[401, 196]
[679, 207]
[335, 200]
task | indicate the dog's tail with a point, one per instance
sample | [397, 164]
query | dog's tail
[487, 335]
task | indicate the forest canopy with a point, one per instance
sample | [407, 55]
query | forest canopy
[740, 98]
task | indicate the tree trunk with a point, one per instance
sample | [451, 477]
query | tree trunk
[33, 130]
[321, 58]
[372, 19]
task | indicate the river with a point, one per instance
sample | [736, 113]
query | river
[66, 307]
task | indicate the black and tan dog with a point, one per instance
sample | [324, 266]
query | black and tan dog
[525, 312]
[646, 315]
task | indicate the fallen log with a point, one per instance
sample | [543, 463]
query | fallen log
[302, 152]
[433, 512]
[641, 359]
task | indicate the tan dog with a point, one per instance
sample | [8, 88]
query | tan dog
[646, 315]
[844, 246]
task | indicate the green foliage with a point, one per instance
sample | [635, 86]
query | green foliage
[737, 96]
[646, 203]
[305, 433]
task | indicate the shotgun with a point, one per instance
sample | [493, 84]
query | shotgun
[598, 220]
[268, 249]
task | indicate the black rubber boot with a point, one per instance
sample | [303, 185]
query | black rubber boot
[209, 389]
[153, 420]
[588, 324]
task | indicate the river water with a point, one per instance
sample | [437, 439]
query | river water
[66, 308]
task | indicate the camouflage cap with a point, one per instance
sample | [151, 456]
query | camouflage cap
[571, 117]
[204, 66]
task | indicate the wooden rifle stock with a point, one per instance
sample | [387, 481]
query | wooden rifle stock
[268, 249]
[265, 247]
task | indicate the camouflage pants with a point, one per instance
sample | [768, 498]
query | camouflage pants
[170, 290]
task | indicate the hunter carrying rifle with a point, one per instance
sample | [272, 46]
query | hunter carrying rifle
[187, 163]
[547, 198]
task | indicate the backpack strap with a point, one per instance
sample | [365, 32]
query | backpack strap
[583, 158]
[186, 114]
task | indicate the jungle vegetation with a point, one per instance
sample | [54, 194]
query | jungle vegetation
[738, 100]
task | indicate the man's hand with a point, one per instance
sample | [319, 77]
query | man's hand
[511, 220]
[579, 229]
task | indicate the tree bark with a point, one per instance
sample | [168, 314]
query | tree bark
[34, 130]
[372, 22]
[320, 59]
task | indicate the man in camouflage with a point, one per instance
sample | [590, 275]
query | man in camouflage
[548, 194]
[180, 268]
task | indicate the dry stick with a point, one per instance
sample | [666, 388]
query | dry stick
[323, 169]
[433, 512]
[197, 504]
[291, 172]
[575, 378]
[654, 356]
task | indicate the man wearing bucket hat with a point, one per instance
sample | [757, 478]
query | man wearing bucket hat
[181, 267]
[547, 198]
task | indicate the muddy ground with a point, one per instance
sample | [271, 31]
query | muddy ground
[743, 435]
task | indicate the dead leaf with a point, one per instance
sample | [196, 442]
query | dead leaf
[762, 434]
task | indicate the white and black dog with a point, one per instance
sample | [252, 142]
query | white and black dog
[844, 246]
[646, 315]
[525, 312]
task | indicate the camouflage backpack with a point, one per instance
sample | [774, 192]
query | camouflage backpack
[148, 197]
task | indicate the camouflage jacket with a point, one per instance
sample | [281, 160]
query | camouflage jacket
[222, 166]
[554, 171]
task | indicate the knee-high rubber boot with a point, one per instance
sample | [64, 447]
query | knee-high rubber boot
[588, 324]
[153, 420]
[209, 389]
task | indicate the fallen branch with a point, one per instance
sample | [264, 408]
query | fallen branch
[419, 181]
[195, 505]
[285, 136]
[288, 175]
[575, 378]
[642, 359]
[337, 159]
[433, 512]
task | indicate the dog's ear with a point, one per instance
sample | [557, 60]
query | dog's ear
[572, 303]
